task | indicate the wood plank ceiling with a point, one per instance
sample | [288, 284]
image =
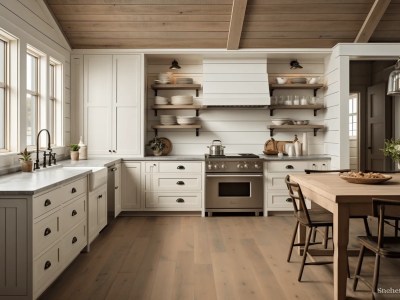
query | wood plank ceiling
[230, 24]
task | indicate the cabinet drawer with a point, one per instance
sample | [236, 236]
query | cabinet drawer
[45, 269]
[73, 243]
[276, 181]
[173, 182]
[180, 167]
[46, 202]
[173, 200]
[45, 232]
[73, 213]
[74, 189]
[278, 200]
[287, 166]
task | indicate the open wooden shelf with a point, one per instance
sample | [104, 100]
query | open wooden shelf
[272, 128]
[194, 126]
[314, 107]
[193, 86]
[178, 107]
[306, 86]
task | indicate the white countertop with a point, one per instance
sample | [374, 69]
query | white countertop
[35, 182]
[294, 158]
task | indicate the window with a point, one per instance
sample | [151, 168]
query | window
[32, 97]
[353, 109]
[55, 104]
[3, 95]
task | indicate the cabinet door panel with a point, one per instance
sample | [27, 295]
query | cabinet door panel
[131, 185]
[127, 69]
[98, 130]
[128, 131]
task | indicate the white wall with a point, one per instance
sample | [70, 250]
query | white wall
[31, 23]
[240, 130]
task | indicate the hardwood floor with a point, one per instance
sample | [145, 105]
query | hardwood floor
[203, 258]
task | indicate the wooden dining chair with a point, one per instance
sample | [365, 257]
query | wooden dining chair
[381, 245]
[365, 218]
[310, 219]
[395, 224]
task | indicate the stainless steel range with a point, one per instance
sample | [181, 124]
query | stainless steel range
[234, 183]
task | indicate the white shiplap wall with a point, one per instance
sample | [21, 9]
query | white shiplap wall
[240, 130]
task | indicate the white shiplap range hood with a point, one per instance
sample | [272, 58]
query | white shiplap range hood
[235, 82]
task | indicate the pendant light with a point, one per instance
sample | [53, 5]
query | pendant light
[394, 80]
[174, 65]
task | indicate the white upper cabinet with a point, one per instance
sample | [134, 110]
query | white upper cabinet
[112, 104]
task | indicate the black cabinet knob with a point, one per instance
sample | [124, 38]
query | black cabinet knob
[47, 231]
[73, 190]
[47, 265]
[74, 240]
[47, 202]
[74, 213]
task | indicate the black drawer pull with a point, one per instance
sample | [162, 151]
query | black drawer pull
[180, 183]
[116, 188]
[47, 265]
[289, 200]
[180, 167]
[47, 231]
[47, 202]
[74, 213]
[180, 200]
[73, 190]
[74, 240]
[99, 196]
[289, 167]
[109, 151]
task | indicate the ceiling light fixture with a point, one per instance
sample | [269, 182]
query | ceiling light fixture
[294, 64]
[175, 65]
[394, 80]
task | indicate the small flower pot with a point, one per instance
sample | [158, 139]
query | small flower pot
[26, 166]
[74, 155]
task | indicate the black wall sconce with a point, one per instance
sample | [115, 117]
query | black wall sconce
[175, 65]
[294, 64]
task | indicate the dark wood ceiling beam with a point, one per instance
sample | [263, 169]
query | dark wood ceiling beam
[374, 16]
[236, 24]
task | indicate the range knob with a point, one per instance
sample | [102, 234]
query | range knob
[222, 166]
[246, 166]
[209, 166]
[215, 166]
[257, 166]
[239, 166]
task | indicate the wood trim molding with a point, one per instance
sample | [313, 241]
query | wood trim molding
[371, 21]
[236, 24]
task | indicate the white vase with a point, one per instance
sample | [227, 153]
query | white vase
[305, 144]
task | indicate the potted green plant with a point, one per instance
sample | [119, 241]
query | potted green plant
[74, 151]
[157, 145]
[392, 149]
[26, 161]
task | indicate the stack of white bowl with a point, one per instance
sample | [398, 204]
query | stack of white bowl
[182, 100]
[159, 100]
[164, 78]
[167, 120]
[186, 120]
[184, 80]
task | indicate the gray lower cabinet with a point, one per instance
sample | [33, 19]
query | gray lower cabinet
[40, 234]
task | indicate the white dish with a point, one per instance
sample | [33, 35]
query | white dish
[281, 80]
[182, 100]
[186, 120]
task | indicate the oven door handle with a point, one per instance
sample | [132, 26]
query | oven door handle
[234, 175]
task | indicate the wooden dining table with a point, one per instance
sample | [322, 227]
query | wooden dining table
[344, 199]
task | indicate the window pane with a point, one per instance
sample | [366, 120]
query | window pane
[52, 120]
[354, 106]
[30, 119]
[350, 106]
[31, 72]
[2, 61]
[51, 81]
[2, 119]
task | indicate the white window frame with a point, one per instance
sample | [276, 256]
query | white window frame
[35, 93]
[55, 117]
[353, 114]
[4, 86]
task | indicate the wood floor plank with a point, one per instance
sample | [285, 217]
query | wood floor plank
[204, 258]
